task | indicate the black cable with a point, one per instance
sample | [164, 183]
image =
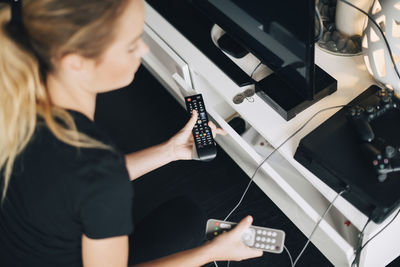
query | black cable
[358, 252]
[258, 65]
[381, 32]
[360, 237]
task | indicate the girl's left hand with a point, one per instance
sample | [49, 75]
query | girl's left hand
[182, 143]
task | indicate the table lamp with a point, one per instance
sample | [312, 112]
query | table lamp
[376, 54]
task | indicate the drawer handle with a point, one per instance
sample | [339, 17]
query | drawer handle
[185, 89]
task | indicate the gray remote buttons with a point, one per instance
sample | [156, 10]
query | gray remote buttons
[266, 239]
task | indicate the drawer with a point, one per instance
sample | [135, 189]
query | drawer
[167, 62]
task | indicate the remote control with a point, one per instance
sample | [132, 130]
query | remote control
[203, 138]
[266, 239]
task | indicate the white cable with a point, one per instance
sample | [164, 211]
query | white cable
[316, 226]
[290, 256]
[259, 166]
[287, 139]
[216, 265]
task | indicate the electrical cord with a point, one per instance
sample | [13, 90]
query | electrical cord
[381, 32]
[360, 237]
[262, 163]
[317, 224]
[290, 256]
[252, 73]
[284, 142]
[320, 25]
[358, 252]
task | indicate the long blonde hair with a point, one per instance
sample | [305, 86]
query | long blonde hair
[53, 29]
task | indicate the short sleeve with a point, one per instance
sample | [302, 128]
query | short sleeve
[106, 207]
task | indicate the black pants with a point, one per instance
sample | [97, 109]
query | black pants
[176, 225]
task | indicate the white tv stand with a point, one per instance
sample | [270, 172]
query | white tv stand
[184, 70]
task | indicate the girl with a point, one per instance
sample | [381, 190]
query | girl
[66, 192]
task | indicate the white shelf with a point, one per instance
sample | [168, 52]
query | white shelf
[297, 192]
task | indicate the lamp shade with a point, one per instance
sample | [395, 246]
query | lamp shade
[376, 55]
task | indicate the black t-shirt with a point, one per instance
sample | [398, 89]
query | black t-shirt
[57, 193]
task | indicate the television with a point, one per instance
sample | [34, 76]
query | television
[281, 34]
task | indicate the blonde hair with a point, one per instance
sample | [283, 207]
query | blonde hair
[52, 29]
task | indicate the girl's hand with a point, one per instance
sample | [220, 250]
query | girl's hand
[229, 245]
[181, 144]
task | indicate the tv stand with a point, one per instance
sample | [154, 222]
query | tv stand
[184, 59]
[285, 100]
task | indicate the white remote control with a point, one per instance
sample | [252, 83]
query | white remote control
[266, 239]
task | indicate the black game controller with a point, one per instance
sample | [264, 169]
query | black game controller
[385, 158]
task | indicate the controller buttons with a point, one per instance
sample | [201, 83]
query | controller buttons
[370, 109]
[390, 151]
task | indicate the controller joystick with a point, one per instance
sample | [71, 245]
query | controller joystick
[359, 118]
[390, 152]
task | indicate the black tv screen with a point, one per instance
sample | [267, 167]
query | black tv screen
[278, 32]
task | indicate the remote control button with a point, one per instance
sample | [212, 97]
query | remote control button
[274, 234]
[257, 245]
[258, 238]
[268, 239]
[263, 239]
[264, 232]
[267, 247]
[269, 233]
[273, 241]
[248, 237]
[225, 226]
[272, 247]
[262, 246]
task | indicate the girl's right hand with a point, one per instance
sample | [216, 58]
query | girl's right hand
[229, 245]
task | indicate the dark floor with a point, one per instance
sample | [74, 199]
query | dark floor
[144, 114]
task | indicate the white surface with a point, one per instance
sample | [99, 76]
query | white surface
[297, 192]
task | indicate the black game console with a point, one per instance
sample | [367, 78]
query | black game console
[342, 152]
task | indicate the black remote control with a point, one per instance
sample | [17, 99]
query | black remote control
[202, 134]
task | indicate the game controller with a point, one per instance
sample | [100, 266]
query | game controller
[361, 117]
[385, 158]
